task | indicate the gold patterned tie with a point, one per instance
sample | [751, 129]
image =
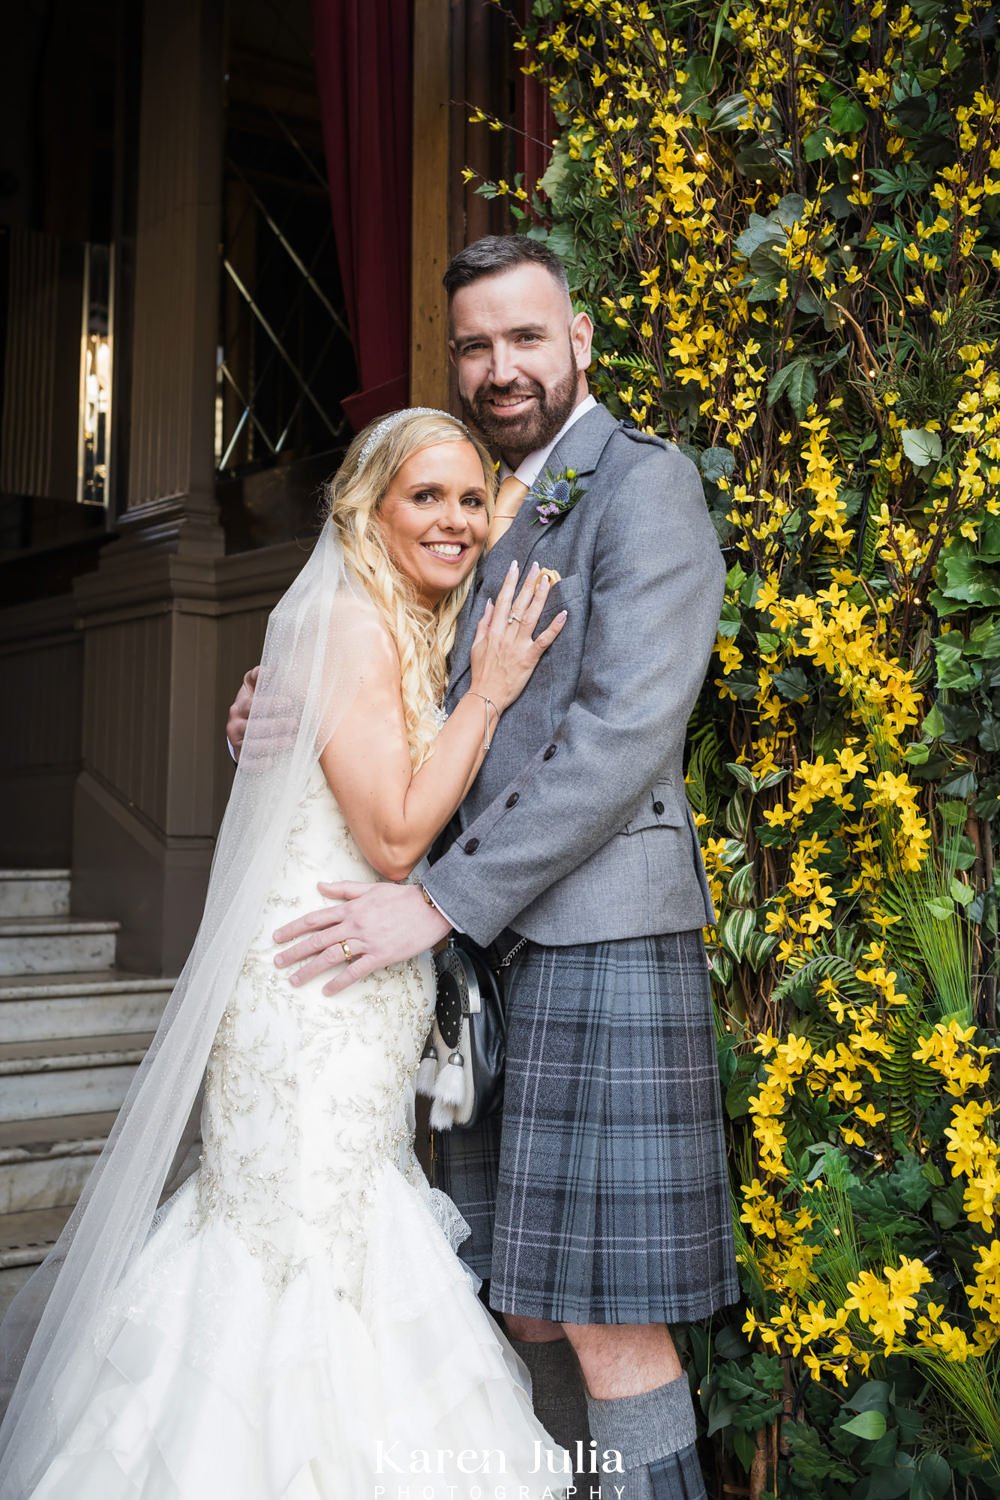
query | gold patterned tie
[510, 497]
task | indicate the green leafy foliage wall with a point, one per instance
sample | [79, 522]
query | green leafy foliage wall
[785, 218]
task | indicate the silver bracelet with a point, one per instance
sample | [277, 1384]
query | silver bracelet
[487, 705]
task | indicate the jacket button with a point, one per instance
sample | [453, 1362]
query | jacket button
[548, 752]
[513, 799]
[658, 808]
[472, 846]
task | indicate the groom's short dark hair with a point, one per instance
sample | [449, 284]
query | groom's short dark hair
[496, 253]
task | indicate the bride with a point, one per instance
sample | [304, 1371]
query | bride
[293, 1323]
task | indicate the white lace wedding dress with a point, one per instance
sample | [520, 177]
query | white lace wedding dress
[298, 1326]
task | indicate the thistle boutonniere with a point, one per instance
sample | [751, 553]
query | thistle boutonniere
[554, 494]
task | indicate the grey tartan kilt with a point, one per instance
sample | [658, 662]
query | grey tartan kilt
[600, 1193]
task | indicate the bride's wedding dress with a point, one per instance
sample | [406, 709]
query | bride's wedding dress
[298, 1326]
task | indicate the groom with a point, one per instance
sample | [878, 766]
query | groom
[599, 1201]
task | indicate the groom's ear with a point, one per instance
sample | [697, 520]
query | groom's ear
[581, 337]
[452, 352]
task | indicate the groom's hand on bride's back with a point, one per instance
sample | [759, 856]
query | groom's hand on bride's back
[239, 712]
[274, 727]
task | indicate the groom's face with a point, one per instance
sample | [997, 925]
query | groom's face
[521, 357]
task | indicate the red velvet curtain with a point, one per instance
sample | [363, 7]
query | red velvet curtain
[364, 51]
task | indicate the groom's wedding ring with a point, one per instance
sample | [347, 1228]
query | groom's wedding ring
[348, 955]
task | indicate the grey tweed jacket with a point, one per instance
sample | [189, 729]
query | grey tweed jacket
[577, 828]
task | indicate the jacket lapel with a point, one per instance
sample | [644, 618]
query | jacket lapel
[579, 449]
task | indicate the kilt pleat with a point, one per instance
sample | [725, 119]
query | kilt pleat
[608, 1169]
[678, 1476]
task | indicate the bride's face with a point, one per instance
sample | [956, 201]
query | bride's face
[433, 518]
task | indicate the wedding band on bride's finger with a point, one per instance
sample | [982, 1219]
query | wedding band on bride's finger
[513, 619]
[349, 957]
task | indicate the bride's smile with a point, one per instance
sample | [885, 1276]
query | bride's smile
[434, 518]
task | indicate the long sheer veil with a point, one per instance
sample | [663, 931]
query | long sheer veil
[309, 674]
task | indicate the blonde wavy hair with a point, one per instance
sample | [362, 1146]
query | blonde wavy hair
[423, 637]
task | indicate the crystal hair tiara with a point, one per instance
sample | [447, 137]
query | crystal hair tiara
[392, 420]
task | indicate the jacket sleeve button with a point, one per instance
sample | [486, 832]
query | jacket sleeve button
[513, 799]
[549, 751]
[658, 808]
[472, 846]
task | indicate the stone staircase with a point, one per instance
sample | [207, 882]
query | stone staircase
[73, 1030]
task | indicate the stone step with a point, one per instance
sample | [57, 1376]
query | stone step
[39, 1006]
[67, 1076]
[25, 1240]
[34, 893]
[28, 1230]
[55, 945]
[45, 1163]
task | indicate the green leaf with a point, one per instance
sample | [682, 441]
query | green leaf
[720, 1414]
[921, 446]
[771, 779]
[953, 671]
[736, 931]
[722, 968]
[741, 885]
[941, 909]
[933, 725]
[909, 1181]
[759, 949]
[889, 1484]
[812, 1459]
[728, 113]
[797, 382]
[954, 813]
[873, 1395]
[790, 209]
[962, 784]
[758, 234]
[730, 1343]
[717, 463]
[868, 1425]
[846, 115]
[946, 1206]
[792, 683]
[764, 290]
[742, 774]
[935, 1475]
[814, 145]
[744, 1447]
[961, 893]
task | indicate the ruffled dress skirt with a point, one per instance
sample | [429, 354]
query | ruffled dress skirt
[298, 1325]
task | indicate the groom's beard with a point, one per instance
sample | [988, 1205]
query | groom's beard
[523, 434]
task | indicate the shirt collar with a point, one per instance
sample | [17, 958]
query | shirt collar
[530, 467]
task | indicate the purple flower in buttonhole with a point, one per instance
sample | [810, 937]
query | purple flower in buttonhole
[554, 494]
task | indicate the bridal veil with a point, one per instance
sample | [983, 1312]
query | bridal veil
[316, 643]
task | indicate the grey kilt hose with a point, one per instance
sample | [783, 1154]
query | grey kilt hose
[600, 1194]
